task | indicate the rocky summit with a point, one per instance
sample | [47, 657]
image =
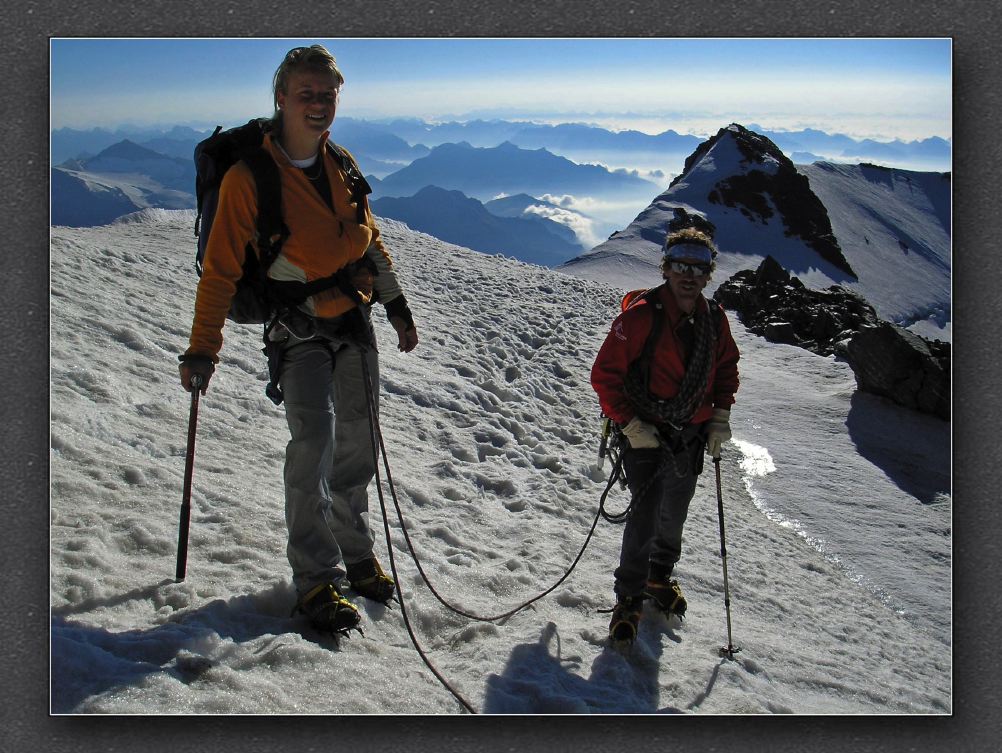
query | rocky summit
[770, 184]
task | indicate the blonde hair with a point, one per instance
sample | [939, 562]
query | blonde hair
[314, 58]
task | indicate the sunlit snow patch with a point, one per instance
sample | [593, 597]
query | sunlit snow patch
[756, 462]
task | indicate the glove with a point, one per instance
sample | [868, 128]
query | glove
[718, 431]
[399, 314]
[407, 338]
[193, 365]
[641, 434]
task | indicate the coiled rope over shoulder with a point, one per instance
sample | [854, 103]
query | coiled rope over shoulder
[676, 411]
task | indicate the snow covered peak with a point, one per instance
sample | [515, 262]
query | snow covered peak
[883, 233]
[733, 149]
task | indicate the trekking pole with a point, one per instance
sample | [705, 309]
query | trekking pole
[189, 465]
[730, 649]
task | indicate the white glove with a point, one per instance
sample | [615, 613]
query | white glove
[718, 431]
[641, 434]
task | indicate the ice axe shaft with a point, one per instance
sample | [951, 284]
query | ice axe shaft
[730, 649]
[189, 467]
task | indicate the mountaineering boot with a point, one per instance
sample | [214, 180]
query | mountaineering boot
[368, 579]
[328, 611]
[625, 618]
[664, 591]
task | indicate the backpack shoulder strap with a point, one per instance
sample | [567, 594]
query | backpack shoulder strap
[657, 320]
[358, 186]
[716, 312]
[657, 323]
[271, 229]
[646, 357]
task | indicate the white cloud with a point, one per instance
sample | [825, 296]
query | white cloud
[583, 227]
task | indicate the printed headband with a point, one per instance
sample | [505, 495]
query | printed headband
[693, 251]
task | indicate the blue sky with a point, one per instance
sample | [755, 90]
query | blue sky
[866, 88]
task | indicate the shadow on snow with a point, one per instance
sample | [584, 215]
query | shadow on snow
[918, 465]
[88, 660]
[538, 680]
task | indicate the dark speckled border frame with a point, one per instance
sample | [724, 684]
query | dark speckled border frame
[27, 28]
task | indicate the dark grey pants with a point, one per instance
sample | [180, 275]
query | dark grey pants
[328, 461]
[653, 531]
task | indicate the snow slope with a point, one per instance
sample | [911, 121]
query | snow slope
[893, 223]
[840, 604]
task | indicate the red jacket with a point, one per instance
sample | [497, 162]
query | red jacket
[625, 342]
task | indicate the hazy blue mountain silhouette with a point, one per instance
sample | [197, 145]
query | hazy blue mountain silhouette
[179, 142]
[451, 216]
[486, 172]
[933, 153]
[578, 137]
[485, 133]
[129, 157]
[375, 141]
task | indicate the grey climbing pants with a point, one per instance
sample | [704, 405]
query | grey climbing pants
[329, 460]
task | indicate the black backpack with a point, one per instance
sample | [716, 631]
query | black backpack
[256, 300]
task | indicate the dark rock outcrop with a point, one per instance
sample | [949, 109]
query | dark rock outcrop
[886, 359]
[771, 303]
[897, 364]
[681, 220]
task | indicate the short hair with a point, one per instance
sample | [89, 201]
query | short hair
[314, 58]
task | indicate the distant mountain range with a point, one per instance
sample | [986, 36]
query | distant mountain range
[396, 142]
[451, 216]
[486, 172]
[931, 154]
[126, 177]
[114, 173]
[123, 178]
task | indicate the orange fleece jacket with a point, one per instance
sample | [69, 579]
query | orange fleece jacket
[320, 243]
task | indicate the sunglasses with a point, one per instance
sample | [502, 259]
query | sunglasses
[697, 270]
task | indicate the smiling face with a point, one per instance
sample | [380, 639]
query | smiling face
[308, 105]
